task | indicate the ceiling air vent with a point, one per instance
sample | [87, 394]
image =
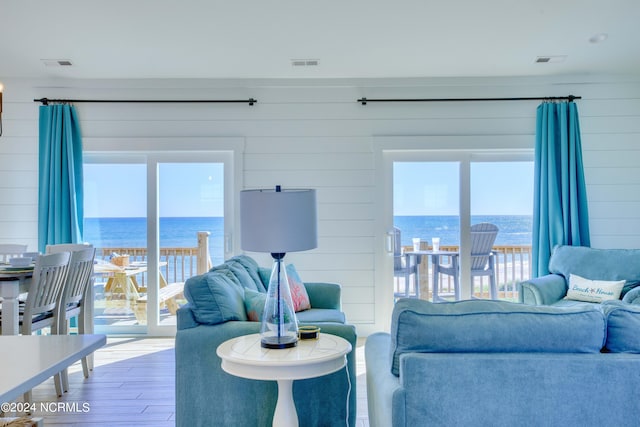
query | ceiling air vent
[56, 62]
[550, 59]
[305, 62]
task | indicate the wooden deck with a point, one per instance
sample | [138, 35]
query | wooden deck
[512, 264]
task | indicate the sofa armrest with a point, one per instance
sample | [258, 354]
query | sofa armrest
[382, 385]
[544, 290]
[633, 296]
[185, 317]
[324, 295]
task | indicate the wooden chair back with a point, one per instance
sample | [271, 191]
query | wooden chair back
[483, 236]
[48, 279]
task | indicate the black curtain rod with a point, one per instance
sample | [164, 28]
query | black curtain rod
[569, 98]
[250, 101]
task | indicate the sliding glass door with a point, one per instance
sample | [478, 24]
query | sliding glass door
[156, 220]
[442, 196]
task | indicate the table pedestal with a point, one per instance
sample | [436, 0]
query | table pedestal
[9, 290]
[285, 414]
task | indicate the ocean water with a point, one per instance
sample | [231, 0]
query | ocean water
[182, 232]
[514, 229]
[174, 232]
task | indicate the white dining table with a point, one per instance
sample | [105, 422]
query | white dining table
[28, 360]
[435, 259]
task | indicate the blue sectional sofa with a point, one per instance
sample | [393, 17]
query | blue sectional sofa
[594, 264]
[495, 363]
[207, 396]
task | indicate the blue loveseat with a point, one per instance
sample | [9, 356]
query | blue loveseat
[207, 396]
[496, 363]
[594, 264]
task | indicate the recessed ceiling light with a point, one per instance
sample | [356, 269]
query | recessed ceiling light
[550, 59]
[598, 38]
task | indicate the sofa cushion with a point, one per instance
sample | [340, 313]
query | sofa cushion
[581, 289]
[320, 315]
[215, 298]
[623, 324]
[254, 305]
[244, 272]
[596, 264]
[493, 327]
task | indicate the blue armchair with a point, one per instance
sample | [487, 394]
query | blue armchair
[594, 264]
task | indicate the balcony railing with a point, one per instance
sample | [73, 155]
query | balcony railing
[513, 265]
[181, 263]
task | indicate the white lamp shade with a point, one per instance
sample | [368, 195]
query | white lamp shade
[278, 221]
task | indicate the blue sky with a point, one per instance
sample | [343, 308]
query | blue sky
[420, 188]
[432, 188]
[186, 189]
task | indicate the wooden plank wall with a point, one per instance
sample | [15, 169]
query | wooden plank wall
[314, 134]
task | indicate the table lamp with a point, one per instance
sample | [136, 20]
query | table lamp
[278, 221]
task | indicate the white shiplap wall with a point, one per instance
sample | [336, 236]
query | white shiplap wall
[310, 133]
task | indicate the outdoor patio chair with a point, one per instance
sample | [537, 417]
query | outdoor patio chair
[403, 269]
[483, 235]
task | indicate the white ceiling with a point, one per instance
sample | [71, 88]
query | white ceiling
[351, 38]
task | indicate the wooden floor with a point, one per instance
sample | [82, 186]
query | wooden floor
[133, 385]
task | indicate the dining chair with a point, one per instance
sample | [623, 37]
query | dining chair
[10, 250]
[76, 299]
[40, 310]
[483, 236]
[403, 268]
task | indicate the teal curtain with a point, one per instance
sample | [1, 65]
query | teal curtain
[560, 198]
[60, 197]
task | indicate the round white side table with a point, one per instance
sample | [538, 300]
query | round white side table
[244, 357]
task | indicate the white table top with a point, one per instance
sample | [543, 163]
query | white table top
[26, 361]
[244, 357]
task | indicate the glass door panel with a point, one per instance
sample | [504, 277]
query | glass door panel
[426, 206]
[191, 229]
[502, 194]
[115, 223]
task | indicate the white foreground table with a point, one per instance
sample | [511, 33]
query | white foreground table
[244, 357]
[28, 360]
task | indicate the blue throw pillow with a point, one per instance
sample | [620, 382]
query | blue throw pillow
[265, 276]
[254, 304]
[628, 286]
[215, 298]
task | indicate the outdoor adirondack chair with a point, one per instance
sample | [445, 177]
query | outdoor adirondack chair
[483, 263]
